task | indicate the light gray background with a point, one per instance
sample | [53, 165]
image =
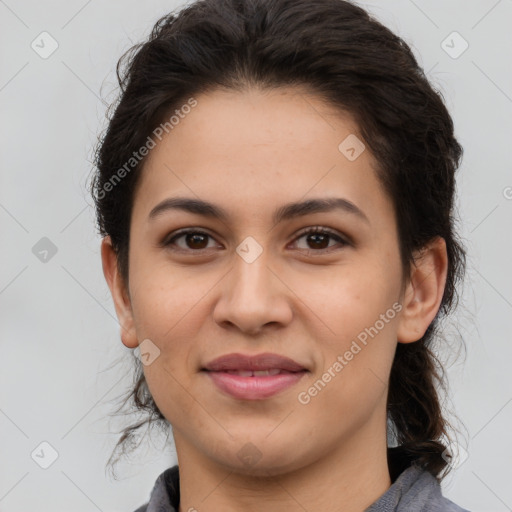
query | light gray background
[59, 336]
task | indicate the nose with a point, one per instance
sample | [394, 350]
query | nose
[253, 297]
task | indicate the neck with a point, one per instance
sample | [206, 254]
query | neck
[350, 478]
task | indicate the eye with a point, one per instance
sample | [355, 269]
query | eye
[195, 240]
[192, 239]
[319, 238]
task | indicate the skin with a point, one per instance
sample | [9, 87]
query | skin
[251, 152]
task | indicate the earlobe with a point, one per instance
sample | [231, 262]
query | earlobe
[119, 293]
[424, 291]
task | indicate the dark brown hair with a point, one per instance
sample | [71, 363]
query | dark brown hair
[342, 54]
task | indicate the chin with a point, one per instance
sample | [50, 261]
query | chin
[253, 460]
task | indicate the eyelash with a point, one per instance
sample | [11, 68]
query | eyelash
[314, 230]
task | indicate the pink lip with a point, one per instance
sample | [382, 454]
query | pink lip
[265, 361]
[256, 387]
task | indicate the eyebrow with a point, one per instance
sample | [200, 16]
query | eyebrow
[285, 212]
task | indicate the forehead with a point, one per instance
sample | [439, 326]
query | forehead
[255, 119]
[256, 147]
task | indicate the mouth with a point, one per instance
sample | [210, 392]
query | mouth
[256, 373]
[254, 363]
[257, 377]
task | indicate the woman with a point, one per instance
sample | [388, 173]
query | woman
[275, 190]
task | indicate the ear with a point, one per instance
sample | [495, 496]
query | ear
[424, 291]
[119, 293]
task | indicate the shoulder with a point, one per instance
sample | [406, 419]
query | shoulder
[424, 492]
[415, 490]
[449, 506]
[429, 488]
[165, 495]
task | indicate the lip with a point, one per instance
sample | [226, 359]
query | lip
[254, 387]
[265, 361]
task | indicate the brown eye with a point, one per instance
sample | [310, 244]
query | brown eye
[192, 239]
[318, 239]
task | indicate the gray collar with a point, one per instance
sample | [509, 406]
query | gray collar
[413, 490]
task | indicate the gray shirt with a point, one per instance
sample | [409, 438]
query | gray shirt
[413, 490]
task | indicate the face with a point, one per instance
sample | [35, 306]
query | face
[252, 282]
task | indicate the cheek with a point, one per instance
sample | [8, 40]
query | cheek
[161, 315]
[170, 320]
[346, 298]
[358, 305]
[169, 391]
[162, 299]
[356, 363]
